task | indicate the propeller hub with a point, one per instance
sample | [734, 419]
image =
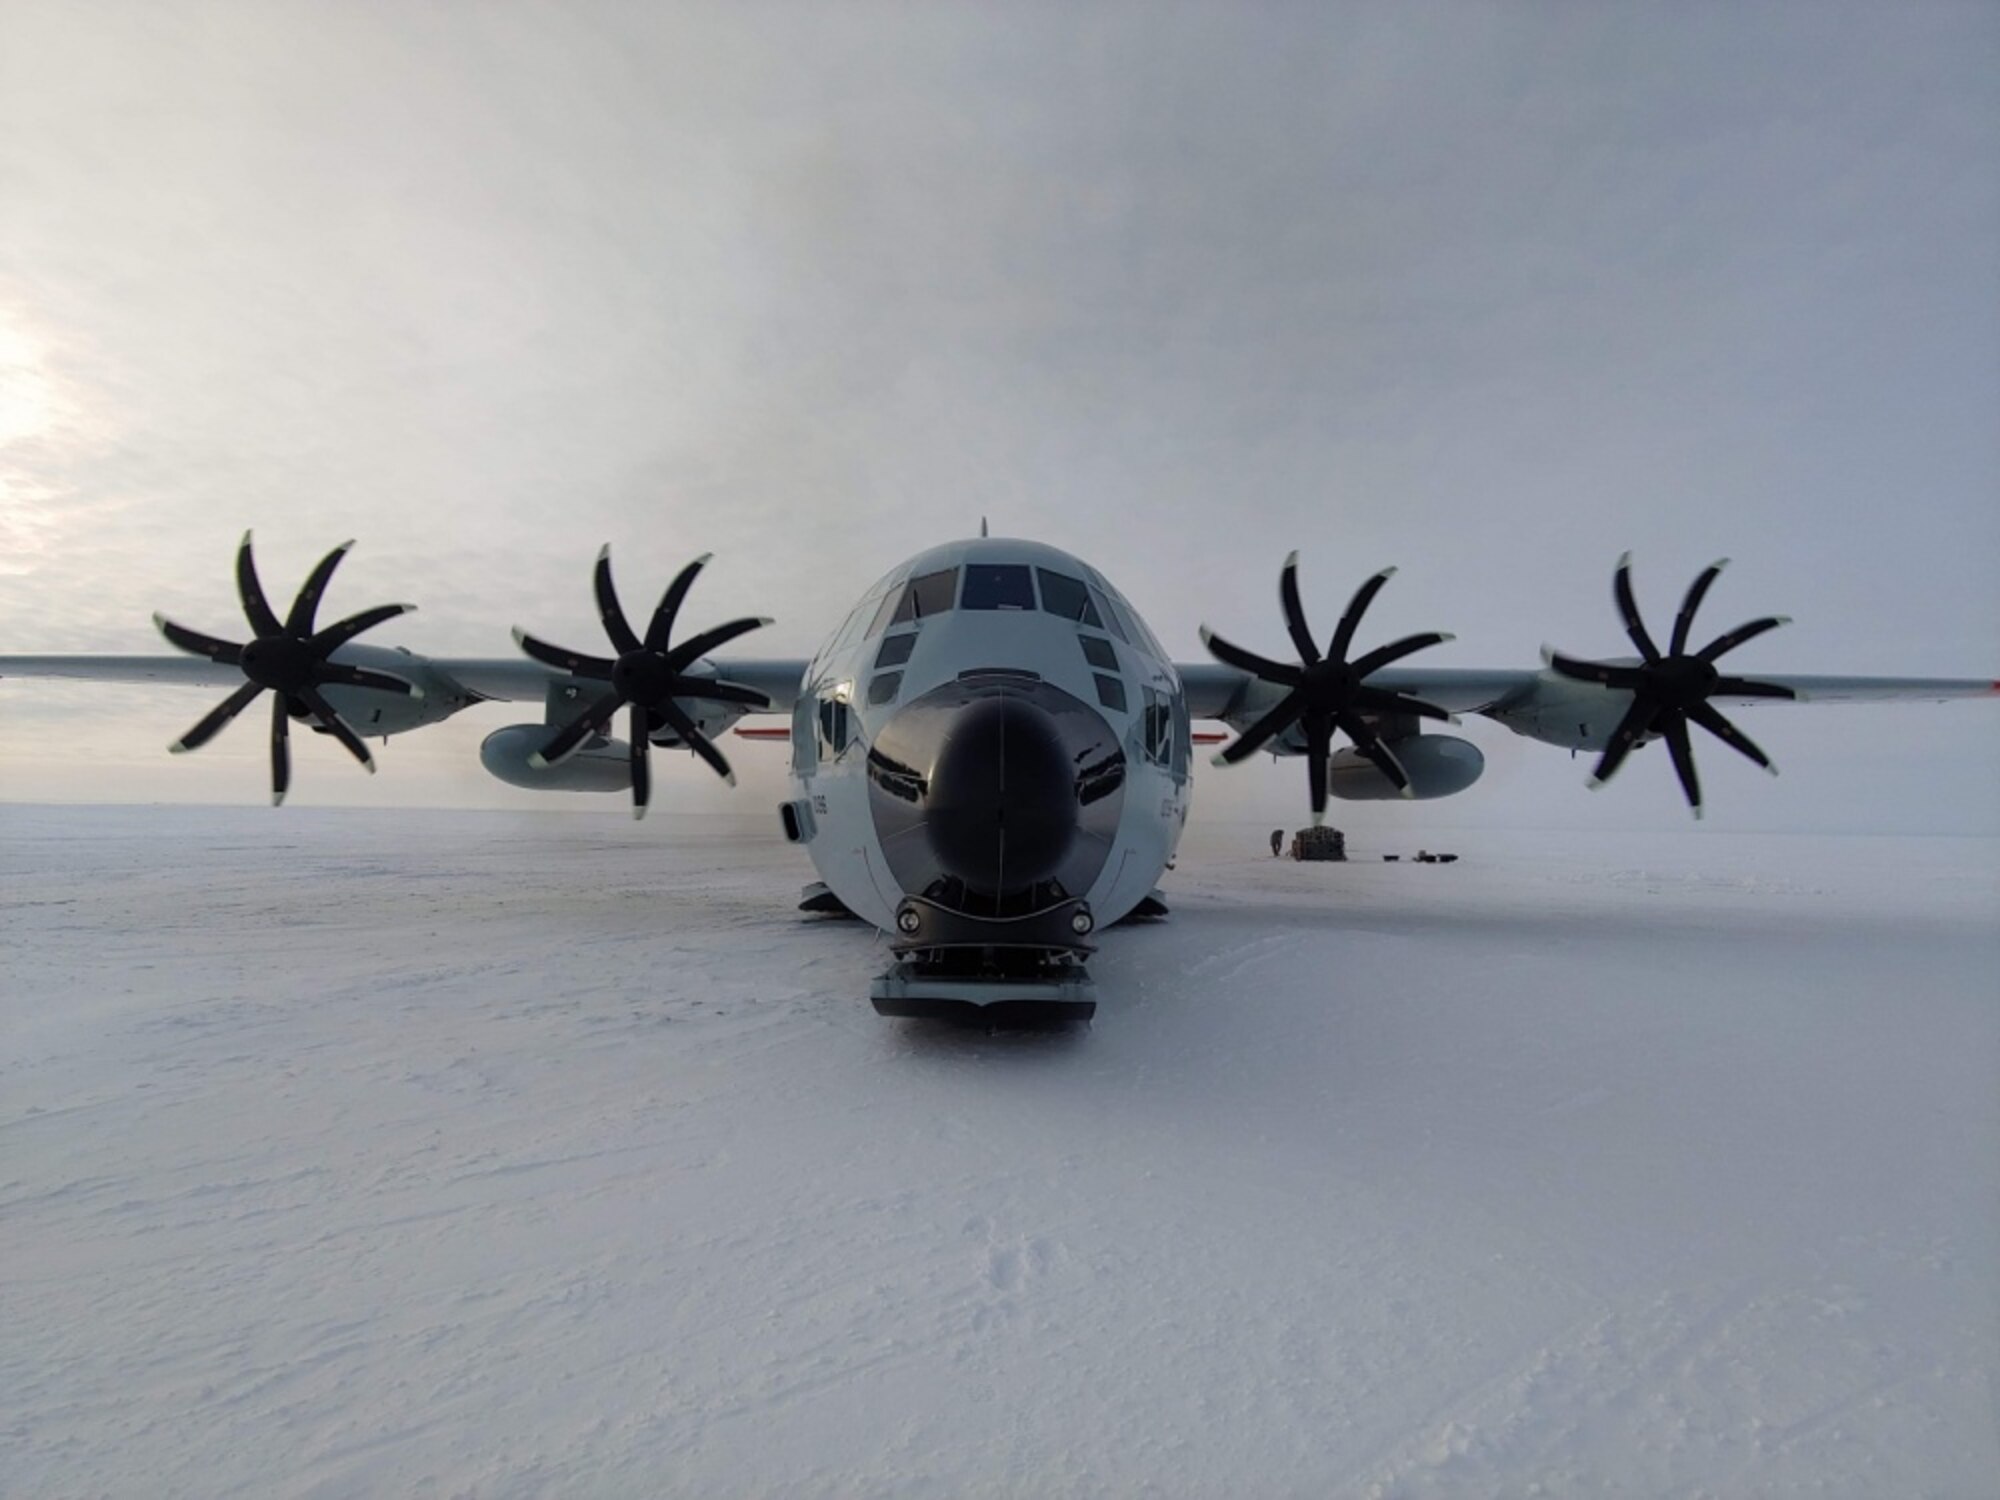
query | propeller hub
[1680, 682]
[279, 662]
[643, 677]
[1330, 682]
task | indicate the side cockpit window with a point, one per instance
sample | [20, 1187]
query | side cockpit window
[1068, 597]
[926, 595]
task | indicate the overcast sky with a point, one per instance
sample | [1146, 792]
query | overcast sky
[1492, 292]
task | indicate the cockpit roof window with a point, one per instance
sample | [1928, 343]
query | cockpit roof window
[1109, 615]
[926, 595]
[881, 620]
[1068, 597]
[1135, 627]
[998, 586]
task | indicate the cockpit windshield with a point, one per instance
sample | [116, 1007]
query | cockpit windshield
[998, 586]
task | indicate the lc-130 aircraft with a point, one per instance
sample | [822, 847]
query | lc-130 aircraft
[990, 756]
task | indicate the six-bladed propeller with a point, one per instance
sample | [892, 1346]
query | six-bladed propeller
[1328, 693]
[289, 658]
[1670, 691]
[648, 676]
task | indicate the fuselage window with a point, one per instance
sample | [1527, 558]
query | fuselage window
[1111, 693]
[926, 596]
[1158, 730]
[883, 688]
[833, 726]
[1068, 597]
[805, 745]
[998, 586]
[896, 650]
[1099, 652]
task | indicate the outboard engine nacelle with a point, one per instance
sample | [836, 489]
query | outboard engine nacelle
[602, 765]
[1437, 764]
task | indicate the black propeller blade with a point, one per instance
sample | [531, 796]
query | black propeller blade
[648, 675]
[1670, 691]
[1328, 693]
[290, 659]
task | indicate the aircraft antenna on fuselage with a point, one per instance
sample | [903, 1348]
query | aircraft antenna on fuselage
[982, 526]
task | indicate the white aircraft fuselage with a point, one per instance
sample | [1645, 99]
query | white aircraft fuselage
[995, 730]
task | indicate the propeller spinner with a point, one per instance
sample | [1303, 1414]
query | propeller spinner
[290, 659]
[647, 675]
[1671, 691]
[1329, 692]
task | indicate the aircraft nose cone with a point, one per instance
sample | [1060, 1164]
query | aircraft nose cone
[1001, 809]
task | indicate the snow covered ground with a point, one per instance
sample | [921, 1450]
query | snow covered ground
[473, 1154]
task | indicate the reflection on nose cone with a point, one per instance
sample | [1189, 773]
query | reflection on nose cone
[1002, 808]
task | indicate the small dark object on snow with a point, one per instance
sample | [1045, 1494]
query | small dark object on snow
[1319, 843]
[1425, 857]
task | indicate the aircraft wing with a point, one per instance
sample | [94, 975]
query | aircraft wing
[476, 678]
[190, 671]
[1216, 691]
[1811, 689]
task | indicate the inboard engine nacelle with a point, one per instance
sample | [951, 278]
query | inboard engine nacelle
[602, 765]
[1438, 765]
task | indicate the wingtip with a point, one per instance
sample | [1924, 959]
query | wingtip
[1408, 793]
[729, 779]
[1388, 572]
[1624, 562]
[178, 747]
[1218, 759]
[536, 761]
[1594, 784]
[1770, 770]
[704, 560]
[346, 546]
[244, 543]
[1208, 635]
[1291, 560]
[1446, 636]
[277, 799]
[1696, 810]
[639, 813]
[604, 552]
[520, 635]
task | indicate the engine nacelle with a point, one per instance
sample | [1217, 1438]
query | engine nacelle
[602, 765]
[1438, 765]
